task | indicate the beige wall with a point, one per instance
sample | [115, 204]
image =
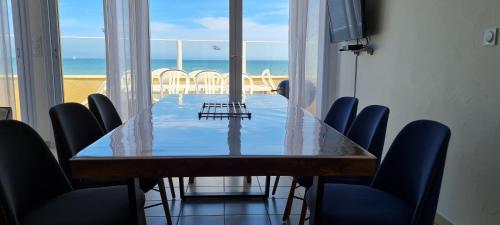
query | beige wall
[430, 63]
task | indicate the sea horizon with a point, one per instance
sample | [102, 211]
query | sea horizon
[97, 66]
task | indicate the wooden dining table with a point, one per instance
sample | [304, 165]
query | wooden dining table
[173, 139]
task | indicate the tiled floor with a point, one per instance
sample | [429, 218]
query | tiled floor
[229, 211]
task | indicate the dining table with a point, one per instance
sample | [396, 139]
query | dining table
[207, 135]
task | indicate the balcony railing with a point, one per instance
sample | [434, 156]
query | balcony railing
[188, 55]
[84, 65]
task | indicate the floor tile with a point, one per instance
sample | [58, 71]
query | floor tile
[201, 220]
[245, 207]
[277, 206]
[240, 181]
[278, 220]
[202, 208]
[247, 220]
[242, 189]
[282, 192]
[160, 220]
[155, 195]
[175, 180]
[285, 181]
[206, 182]
[205, 189]
[175, 208]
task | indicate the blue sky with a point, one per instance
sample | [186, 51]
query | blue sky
[264, 20]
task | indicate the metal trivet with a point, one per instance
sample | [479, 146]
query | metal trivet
[224, 110]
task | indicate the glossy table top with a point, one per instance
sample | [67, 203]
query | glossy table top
[171, 129]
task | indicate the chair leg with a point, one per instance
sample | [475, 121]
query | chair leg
[171, 185]
[276, 181]
[289, 201]
[191, 180]
[164, 200]
[249, 179]
[303, 212]
[181, 188]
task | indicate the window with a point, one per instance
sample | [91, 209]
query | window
[192, 38]
[83, 49]
[189, 46]
[265, 43]
[8, 68]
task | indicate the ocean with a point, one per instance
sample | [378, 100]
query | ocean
[98, 66]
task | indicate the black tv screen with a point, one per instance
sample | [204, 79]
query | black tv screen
[346, 20]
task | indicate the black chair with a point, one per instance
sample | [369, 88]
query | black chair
[368, 130]
[340, 117]
[109, 119]
[26, 162]
[342, 113]
[74, 129]
[284, 88]
[104, 111]
[405, 190]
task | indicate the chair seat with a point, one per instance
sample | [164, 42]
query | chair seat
[103, 206]
[307, 182]
[346, 204]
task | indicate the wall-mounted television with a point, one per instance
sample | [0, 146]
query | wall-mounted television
[346, 20]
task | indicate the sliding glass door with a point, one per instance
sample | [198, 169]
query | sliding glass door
[265, 44]
[189, 46]
[9, 91]
[83, 49]
[190, 42]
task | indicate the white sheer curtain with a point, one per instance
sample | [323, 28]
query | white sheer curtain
[7, 98]
[128, 55]
[310, 55]
[297, 51]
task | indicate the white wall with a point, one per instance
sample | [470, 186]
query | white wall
[429, 63]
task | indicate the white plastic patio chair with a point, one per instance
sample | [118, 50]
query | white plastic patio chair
[171, 81]
[268, 84]
[209, 82]
[247, 89]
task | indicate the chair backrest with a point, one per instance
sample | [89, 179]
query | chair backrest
[104, 111]
[29, 173]
[246, 83]
[267, 79]
[369, 128]
[212, 81]
[247, 87]
[342, 113]
[172, 80]
[5, 113]
[284, 88]
[74, 129]
[413, 168]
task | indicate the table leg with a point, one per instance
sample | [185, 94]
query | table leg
[317, 201]
[268, 184]
[136, 208]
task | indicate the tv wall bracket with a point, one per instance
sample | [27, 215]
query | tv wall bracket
[358, 49]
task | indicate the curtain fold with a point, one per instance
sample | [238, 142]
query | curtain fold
[128, 55]
[297, 50]
[7, 96]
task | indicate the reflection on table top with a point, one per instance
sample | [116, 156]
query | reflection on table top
[171, 129]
